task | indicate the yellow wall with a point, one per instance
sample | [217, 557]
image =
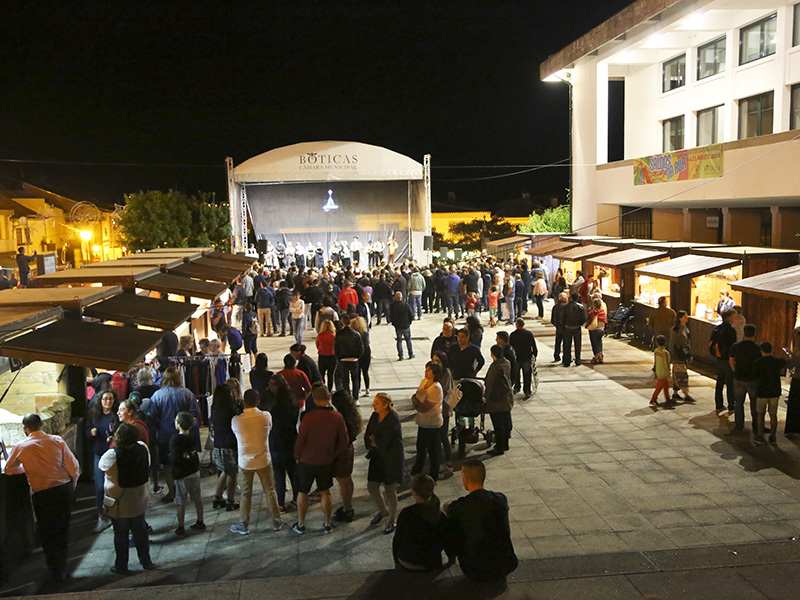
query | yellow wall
[667, 224]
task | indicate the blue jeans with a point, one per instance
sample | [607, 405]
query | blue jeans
[284, 316]
[510, 306]
[348, 376]
[416, 304]
[138, 528]
[383, 309]
[400, 335]
[299, 325]
[740, 390]
[452, 303]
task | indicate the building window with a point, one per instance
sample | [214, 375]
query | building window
[755, 115]
[711, 59]
[794, 117]
[709, 126]
[765, 233]
[758, 40]
[673, 134]
[637, 223]
[796, 28]
[674, 73]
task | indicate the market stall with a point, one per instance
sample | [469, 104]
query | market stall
[616, 273]
[574, 259]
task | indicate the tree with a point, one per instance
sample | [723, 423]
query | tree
[470, 235]
[156, 219]
[551, 220]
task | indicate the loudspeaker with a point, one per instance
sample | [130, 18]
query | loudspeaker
[261, 246]
[458, 253]
[427, 244]
[443, 252]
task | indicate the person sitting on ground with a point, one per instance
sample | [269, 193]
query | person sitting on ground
[478, 531]
[419, 538]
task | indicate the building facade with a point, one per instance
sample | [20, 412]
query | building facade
[723, 75]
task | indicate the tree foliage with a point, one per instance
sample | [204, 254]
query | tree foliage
[469, 235]
[156, 219]
[551, 220]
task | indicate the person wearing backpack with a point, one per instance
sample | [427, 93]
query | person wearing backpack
[186, 470]
[722, 338]
[250, 331]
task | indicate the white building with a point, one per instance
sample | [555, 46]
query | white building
[695, 72]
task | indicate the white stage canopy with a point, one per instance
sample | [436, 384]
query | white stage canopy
[328, 161]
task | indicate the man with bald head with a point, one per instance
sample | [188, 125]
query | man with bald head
[445, 340]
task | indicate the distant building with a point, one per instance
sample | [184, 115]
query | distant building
[696, 73]
[445, 215]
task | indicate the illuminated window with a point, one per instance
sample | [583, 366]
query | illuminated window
[709, 126]
[674, 73]
[711, 59]
[758, 40]
[673, 134]
[796, 28]
[755, 115]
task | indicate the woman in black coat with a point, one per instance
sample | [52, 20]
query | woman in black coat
[284, 410]
[223, 409]
[384, 442]
[419, 539]
[259, 380]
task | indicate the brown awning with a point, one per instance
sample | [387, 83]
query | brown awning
[620, 242]
[73, 342]
[155, 261]
[783, 284]
[691, 265]
[66, 298]
[184, 251]
[14, 320]
[237, 258]
[550, 247]
[205, 273]
[183, 286]
[126, 276]
[141, 310]
[747, 251]
[215, 263]
[627, 258]
[581, 252]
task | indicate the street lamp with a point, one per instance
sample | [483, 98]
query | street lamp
[565, 76]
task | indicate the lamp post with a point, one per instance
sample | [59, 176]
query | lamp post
[565, 76]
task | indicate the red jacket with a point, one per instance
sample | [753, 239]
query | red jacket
[322, 437]
[298, 383]
[347, 296]
[325, 343]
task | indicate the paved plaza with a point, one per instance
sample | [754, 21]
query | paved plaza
[609, 497]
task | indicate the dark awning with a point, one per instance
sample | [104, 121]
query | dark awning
[126, 276]
[783, 284]
[141, 310]
[234, 258]
[216, 263]
[15, 319]
[550, 247]
[155, 262]
[627, 258]
[205, 273]
[73, 342]
[182, 286]
[581, 252]
[690, 265]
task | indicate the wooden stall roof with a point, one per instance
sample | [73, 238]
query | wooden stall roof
[206, 250]
[568, 237]
[66, 298]
[155, 261]
[783, 284]
[221, 264]
[550, 247]
[205, 273]
[124, 276]
[508, 241]
[627, 258]
[183, 286]
[650, 244]
[14, 319]
[742, 251]
[246, 260]
[141, 310]
[620, 242]
[73, 342]
[581, 252]
[691, 265]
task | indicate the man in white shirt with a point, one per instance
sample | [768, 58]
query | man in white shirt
[355, 248]
[52, 472]
[251, 429]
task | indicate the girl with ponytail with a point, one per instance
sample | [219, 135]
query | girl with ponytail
[419, 540]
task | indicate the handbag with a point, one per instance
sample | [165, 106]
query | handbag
[593, 324]
[683, 352]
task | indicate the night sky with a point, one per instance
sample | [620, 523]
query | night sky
[167, 83]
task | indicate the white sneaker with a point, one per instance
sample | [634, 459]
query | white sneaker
[358, 402]
[278, 525]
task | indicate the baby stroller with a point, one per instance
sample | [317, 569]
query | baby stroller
[621, 323]
[467, 399]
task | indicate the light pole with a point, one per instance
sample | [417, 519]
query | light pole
[565, 76]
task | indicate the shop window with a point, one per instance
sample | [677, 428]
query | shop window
[650, 289]
[758, 39]
[673, 134]
[674, 75]
[755, 115]
[794, 117]
[709, 126]
[711, 58]
[706, 292]
[637, 223]
[796, 27]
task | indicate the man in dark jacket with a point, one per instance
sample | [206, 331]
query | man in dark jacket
[23, 265]
[557, 320]
[401, 316]
[574, 317]
[282, 300]
[265, 299]
[465, 358]
[742, 358]
[723, 337]
[313, 296]
[305, 363]
[451, 283]
[524, 345]
[502, 339]
[478, 525]
[382, 294]
[348, 347]
[520, 296]
[499, 399]
[445, 340]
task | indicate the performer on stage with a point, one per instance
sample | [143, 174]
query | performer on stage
[319, 256]
[344, 253]
[378, 250]
[300, 255]
[370, 254]
[290, 255]
[333, 255]
[355, 249]
[281, 250]
[391, 246]
[270, 256]
[310, 255]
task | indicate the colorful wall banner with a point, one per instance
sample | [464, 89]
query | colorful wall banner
[695, 163]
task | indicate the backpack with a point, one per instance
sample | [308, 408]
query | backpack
[713, 344]
[254, 328]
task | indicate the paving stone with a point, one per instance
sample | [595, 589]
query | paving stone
[777, 582]
[719, 583]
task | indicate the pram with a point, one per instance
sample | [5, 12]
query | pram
[468, 398]
[621, 323]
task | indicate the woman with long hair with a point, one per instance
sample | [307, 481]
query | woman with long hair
[223, 409]
[102, 422]
[680, 351]
[126, 467]
[427, 401]
[285, 411]
[384, 441]
[792, 426]
[596, 324]
[475, 331]
[325, 354]
[446, 381]
[418, 541]
[359, 324]
[342, 401]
